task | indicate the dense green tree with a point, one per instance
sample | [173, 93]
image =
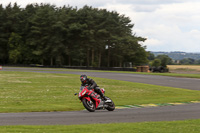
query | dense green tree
[151, 56]
[50, 35]
[187, 61]
[42, 31]
[198, 62]
[15, 48]
[9, 22]
[3, 37]
[156, 63]
[165, 60]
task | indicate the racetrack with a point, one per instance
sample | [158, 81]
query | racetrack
[165, 113]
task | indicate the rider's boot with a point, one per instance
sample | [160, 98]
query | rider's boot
[102, 96]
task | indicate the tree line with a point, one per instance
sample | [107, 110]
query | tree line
[189, 61]
[49, 35]
[164, 60]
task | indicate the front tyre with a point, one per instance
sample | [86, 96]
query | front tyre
[89, 105]
[111, 105]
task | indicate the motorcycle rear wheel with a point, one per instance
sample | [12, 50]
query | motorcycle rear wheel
[111, 105]
[89, 105]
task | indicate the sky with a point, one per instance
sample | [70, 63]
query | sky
[168, 25]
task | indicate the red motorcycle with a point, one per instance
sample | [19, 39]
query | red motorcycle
[92, 101]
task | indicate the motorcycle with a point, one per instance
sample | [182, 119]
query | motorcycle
[92, 101]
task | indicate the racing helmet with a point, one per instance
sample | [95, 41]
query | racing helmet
[83, 78]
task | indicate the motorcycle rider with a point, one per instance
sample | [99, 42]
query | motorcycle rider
[92, 85]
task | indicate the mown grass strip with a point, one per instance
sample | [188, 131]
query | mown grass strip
[187, 126]
[155, 105]
[32, 92]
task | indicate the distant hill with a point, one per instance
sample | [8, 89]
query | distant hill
[179, 55]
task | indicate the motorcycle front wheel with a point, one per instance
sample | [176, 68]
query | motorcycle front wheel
[89, 105]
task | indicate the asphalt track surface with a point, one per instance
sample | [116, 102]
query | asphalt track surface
[164, 113]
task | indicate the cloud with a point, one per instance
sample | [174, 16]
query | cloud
[195, 34]
[176, 26]
[153, 2]
[148, 2]
[146, 8]
[170, 25]
[153, 42]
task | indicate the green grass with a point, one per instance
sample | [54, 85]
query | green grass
[32, 92]
[187, 126]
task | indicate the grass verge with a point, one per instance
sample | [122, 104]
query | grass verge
[32, 92]
[187, 126]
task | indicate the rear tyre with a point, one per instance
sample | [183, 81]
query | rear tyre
[111, 105]
[89, 105]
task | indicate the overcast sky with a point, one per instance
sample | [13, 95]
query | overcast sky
[168, 25]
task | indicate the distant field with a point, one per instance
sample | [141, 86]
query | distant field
[184, 67]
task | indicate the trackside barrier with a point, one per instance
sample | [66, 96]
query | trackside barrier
[1, 67]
